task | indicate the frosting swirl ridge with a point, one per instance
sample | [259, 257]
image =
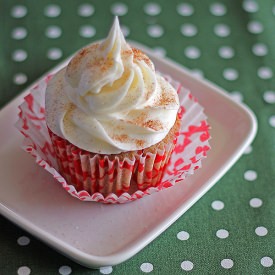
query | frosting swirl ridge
[109, 99]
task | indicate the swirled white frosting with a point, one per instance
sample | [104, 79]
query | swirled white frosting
[109, 99]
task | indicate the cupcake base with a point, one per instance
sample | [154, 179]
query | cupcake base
[117, 174]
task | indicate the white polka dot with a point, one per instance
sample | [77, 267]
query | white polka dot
[248, 149]
[86, 10]
[218, 9]
[106, 270]
[152, 9]
[54, 53]
[18, 11]
[217, 205]
[255, 27]
[222, 233]
[250, 6]
[250, 175]
[261, 231]
[155, 31]
[52, 10]
[266, 261]
[189, 30]
[185, 9]
[230, 74]
[183, 235]
[64, 270]
[272, 121]
[20, 79]
[146, 267]
[227, 263]
[237, 96]
[192, 52]
[265, 73]
[119, 9]
[269, 97]
[197, 73]
[23, 240]
[23, 270]
[187, 265]
[255, 202]
[222, 30]
[53, 32]
[19, 55]
[260, 49]
[87, 31]
[19, 33]
[159, 51]
[226, 52]
[125, 30]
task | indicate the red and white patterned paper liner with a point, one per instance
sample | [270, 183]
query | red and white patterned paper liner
[191, 147]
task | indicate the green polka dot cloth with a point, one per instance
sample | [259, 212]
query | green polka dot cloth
[231, 230]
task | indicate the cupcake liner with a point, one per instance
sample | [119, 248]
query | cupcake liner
[101, 173]
[190, 148]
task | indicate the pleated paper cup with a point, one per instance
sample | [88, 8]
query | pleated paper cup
[94, 177]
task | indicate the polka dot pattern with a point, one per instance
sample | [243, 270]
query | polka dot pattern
[255, 27]
[19, 11]
[217, 205]
[266, 261]
[230, 74]
[250, 175]
[152, 9]
[86, 10]
[87, 31]
[222, 30]
[106, 270]
[192, 52]
[248, 150]
[184, 40]
[260, 49]
[19, 55]
[218, 9]
[265, 73]
[19, 33]
[24, 270]
[261, 231]
[155, 31]
[23, 241]
[185, 9]
[20, 79]
[188, 30]
[187, 265]
[226, 52]
[255, 202]
[119, 9]
[272, 121]
[65, 270]
[227, 263]
[183, 235]
[222, 233]
[54, 53]
[269, 97]
[146, 267]
[53, 32]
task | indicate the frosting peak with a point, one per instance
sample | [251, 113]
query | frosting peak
[109, 98]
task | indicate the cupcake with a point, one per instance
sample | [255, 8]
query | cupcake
[113, 121]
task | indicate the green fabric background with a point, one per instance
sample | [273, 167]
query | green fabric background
[203, 248]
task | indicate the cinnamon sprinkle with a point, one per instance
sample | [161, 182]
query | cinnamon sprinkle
[140, 143]
[153, 124]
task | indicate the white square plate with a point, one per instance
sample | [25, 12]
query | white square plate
[94, 234]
